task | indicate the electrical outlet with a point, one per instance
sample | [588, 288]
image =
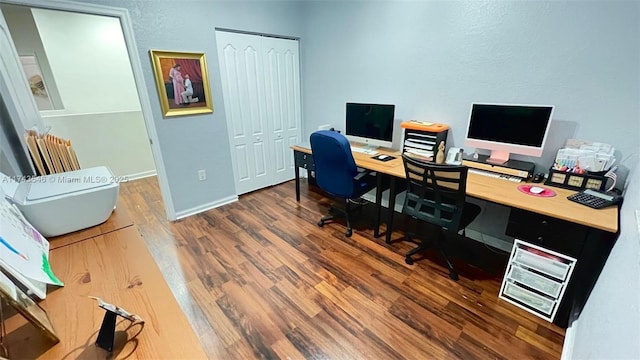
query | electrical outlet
[202, 175]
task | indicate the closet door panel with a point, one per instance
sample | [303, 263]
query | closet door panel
[243, 87]
[282, 81]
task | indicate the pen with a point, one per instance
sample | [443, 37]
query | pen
[13, 250]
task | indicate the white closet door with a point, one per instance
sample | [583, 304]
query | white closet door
[242, 75]
[282, 83]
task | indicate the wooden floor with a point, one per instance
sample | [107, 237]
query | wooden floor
[258, 279]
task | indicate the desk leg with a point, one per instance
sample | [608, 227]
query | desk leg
[297, 176]
[379, 190]
[392, 205]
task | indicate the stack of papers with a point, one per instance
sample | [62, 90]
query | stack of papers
[419, 154]
[24, 252]
[580, 156]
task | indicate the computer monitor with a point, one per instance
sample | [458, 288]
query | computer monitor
[371, 124]
[505, 129]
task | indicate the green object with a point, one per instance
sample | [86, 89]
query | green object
[46, 267]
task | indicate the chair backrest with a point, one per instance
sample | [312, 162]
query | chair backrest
[435, 193]
[335, 166]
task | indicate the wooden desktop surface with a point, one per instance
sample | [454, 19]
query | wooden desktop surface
[119, 219]
[118, 268]
[506, 193]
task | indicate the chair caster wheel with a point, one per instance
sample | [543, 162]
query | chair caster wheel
[408, 260]
[320, 223]
[348, 233]
[453, 276]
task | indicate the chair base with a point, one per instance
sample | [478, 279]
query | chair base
[347, 233]
[426, 245]
[339, 213]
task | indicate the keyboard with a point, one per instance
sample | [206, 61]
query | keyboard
[363, 150]
[496, 175]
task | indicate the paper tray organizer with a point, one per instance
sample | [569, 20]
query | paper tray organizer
[536, 279]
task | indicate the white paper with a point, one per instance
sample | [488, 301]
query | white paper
[24, 253]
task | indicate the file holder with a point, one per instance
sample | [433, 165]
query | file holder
[421, 139]
[578, 182]
[107, 333]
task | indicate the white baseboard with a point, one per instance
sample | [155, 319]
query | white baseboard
[204, 207]
[141, 175]
[569, 341]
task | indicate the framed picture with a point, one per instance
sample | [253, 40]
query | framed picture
[183, 82]
[36, 81]
[26, 307]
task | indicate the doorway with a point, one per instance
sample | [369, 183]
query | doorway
[18, 94]
[84, 93]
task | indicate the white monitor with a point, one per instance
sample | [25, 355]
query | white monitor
[371, 124]
[505, 129]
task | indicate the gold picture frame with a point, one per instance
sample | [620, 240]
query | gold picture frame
[182, 81]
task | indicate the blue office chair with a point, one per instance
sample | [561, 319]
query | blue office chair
[436, 194]
[337, 173]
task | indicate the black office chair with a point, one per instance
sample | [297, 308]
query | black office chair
[337, 173]
[436, 194]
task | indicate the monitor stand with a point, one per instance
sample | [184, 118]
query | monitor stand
[524, 169]
[363, 146]
[498, 157]
[370, 147]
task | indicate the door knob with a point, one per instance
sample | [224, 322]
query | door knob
[257, 139]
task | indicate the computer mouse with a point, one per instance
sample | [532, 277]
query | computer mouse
[536, 190]
[382, 157]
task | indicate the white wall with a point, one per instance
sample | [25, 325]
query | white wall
[89, 61]
[116, 139]
[434, 58]
[609, 325]
[88, 58]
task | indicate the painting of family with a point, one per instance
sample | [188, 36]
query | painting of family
[182, 82]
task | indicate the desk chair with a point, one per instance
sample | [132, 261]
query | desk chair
[336, 171]
[436, 194]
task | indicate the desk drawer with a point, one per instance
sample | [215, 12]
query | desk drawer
[305, 161]
[557, 235]
[542, 262]
[544, 285]
[529, 298]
